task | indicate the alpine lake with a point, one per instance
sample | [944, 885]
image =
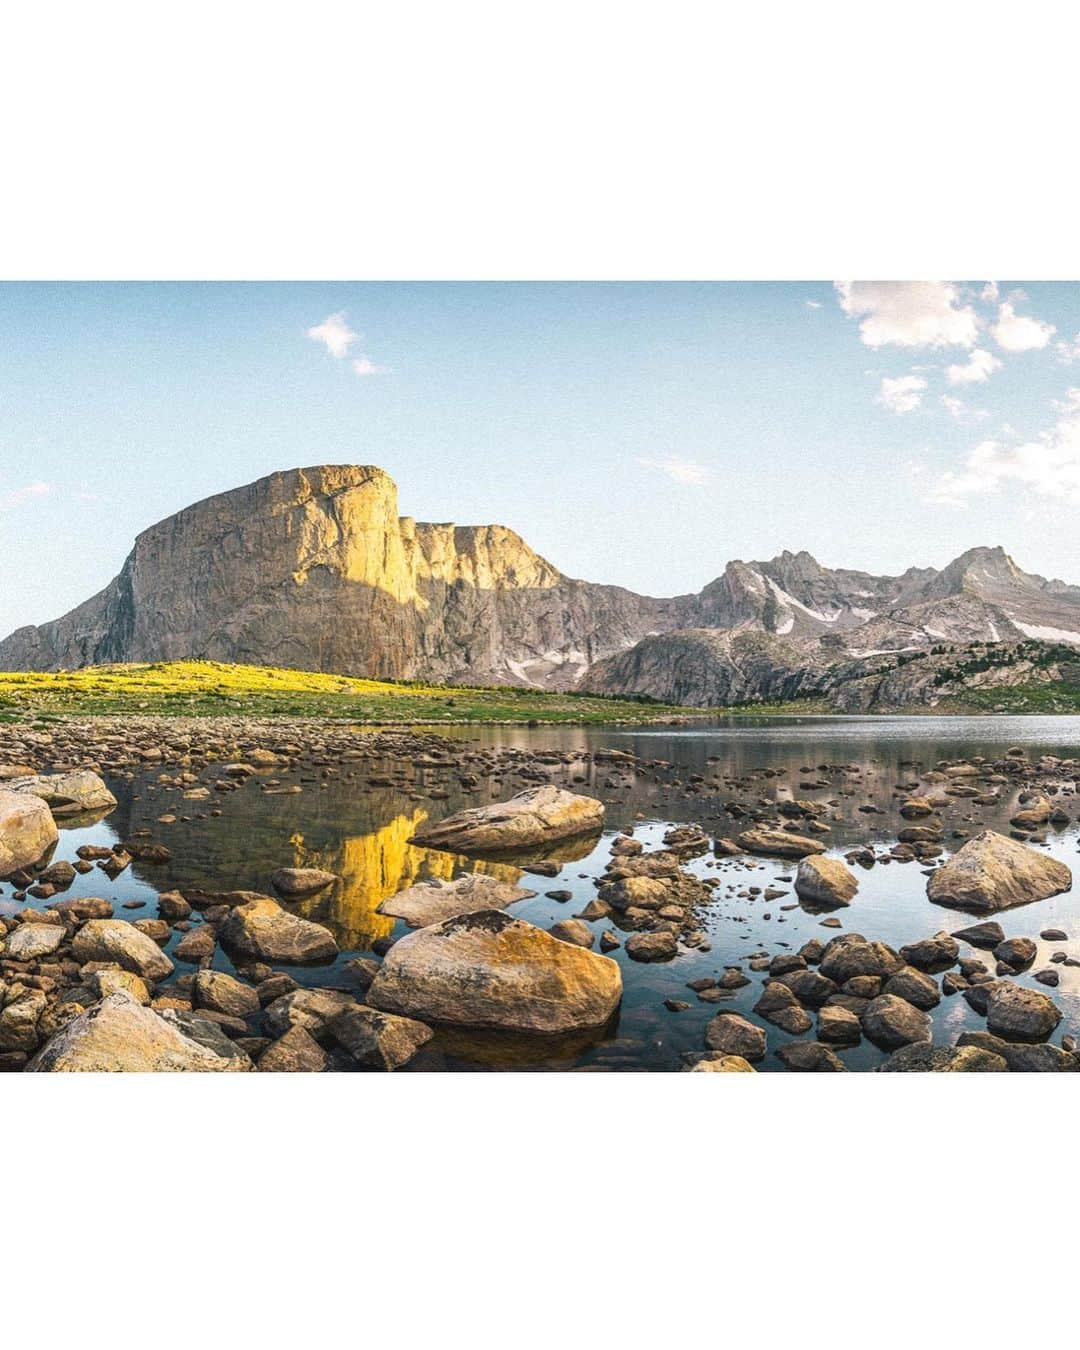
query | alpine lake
[356, 820]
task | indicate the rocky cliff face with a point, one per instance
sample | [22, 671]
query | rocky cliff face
[314, 569]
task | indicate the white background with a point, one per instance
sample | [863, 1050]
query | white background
[525, 140]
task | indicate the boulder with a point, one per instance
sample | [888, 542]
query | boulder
[778, 843]
[431, 902]
[985, 935]
[30, 941]
[537, 816]
[733, 1034]
[810, 1057]
[379, 1040]
[1017, 952]
[491, 970]
[297, 1051]
[296, 882]
[120, 942]
[312, 1009]
[1018, 1014]
[838, 1026]
[851, 954]
[825, 882]
[219, 992]
[1021, 1057]
[921, 1058]
[720, 1063]
[890, 1022]
[261, 930]
[119, 1035]
[992, 872]
[660, 946]
[66, 794]
[576, 931]
[932, 953]
[915, 986]
[27, 830]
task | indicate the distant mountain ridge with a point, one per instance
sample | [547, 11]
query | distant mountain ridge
[314, 568]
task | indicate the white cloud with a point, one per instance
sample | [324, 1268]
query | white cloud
[979, 366]
[1018, 332]
[30, 491]
[1048, 466]
[903, 394]
[1069, 351]
[363, 365]
[678, 470]
[813, 304]
[909, 313]
[335, 333]
[990, 292]
[956, 406]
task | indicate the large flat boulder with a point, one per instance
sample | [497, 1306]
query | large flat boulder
[121, 942]
[992, 872]
[118, 1035]
[778, 843]
[27, 830]
[533, 818]
[491, 970]
[67, 794]
[431, 902]
[296, 883]
[261, 930]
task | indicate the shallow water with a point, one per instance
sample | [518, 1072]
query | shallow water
[341, 821]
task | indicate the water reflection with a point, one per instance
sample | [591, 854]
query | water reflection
[358, 824]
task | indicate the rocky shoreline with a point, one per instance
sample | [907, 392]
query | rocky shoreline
[83, 988]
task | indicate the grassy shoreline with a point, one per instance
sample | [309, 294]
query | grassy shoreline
[213, 689]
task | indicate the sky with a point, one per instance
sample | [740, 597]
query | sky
[635, 433]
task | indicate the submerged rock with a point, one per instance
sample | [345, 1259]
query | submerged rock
[490, 970]
[535, 817]
[431, 902]
[27, 830]
[993, 872]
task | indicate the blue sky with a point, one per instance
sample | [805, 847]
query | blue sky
[635, 433]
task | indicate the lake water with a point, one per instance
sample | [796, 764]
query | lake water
[342, 821]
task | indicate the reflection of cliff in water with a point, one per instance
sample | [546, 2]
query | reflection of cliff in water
[373, 867]
[360, 834]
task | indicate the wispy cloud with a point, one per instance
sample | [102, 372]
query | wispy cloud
[26, 493]
[1048, 466]
[903, 394]
[678, 470]
[337, 337]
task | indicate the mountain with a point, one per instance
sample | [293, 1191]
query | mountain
[314, 568]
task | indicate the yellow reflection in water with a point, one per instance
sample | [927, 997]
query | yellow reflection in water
[372, 867]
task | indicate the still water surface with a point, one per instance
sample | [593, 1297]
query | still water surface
[344, 823]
